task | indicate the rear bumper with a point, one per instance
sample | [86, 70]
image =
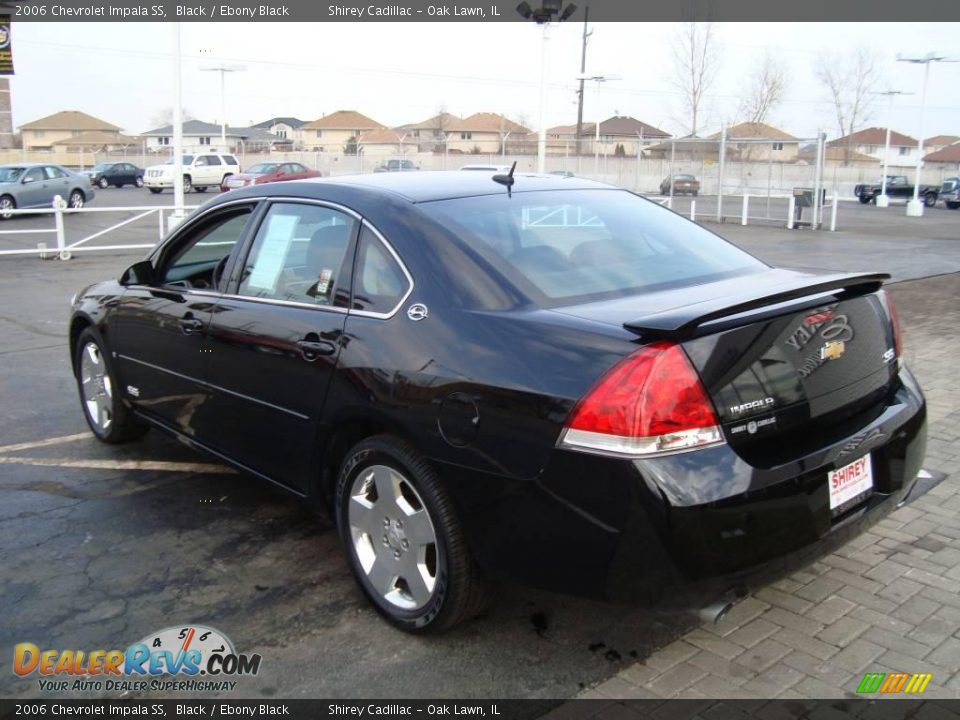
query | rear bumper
[683, 529]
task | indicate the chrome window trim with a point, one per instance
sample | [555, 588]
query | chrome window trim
[403, 267]
[411, 283]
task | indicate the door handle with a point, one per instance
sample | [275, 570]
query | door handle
[310, 349]
[190, 325]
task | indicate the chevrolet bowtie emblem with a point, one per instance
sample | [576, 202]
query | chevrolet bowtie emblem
[833, 350]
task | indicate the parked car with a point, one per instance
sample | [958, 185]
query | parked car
[897, 186]
[487, 168]
[199, 173]
[683, 184]
[397, 166]
[268, 172]
[950, 192]
[561, 173]
[118, 174]
[34, 185]
[541, 380]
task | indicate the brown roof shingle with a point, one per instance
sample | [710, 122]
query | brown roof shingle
[487, 122]
[98, 138]
[747, 130]
[70, 120]
[941, 140]
[444, 120]
[383, 137]
[949, 154]
[343, 120]
[875, 136]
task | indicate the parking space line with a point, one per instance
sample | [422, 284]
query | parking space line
[45, 443]
[160, 465]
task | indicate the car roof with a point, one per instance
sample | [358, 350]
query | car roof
[29, 165]
[432, 185]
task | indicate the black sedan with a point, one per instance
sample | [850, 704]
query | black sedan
[117, 174]
[531, 379]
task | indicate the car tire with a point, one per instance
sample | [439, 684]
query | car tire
[200, 188]
[695, 193]
[7, 204]
[187, 184]
[952, 205]
[102, 183]
[138, 182]
[864, 199]
[930, 199]
[106, 414]
[155, 191]
[403, 541]
[76, 200]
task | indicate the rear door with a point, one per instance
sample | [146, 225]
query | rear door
[275, 338]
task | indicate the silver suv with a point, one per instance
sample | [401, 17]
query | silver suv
[199, 172]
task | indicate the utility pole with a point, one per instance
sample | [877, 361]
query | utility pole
[583, 70]
[882, 199]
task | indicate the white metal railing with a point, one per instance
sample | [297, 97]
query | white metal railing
[64, 250]
[818, 223]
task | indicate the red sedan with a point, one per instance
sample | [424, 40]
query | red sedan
[268, 172]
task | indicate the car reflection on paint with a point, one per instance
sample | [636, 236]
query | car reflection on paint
[517, 378]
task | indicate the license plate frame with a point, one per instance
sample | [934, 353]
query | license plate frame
[850, 483]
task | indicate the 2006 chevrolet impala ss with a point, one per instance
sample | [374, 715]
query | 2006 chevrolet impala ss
[533, 379]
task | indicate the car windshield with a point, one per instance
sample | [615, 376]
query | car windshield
[187, 159]
[262, 169]
[9, 174]
[684, 177]
[565, 247]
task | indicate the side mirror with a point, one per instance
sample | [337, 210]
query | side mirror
[27, 180]
[140, 273]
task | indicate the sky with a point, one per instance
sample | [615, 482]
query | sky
[405, 72]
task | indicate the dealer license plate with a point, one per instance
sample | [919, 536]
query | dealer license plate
[850, 481]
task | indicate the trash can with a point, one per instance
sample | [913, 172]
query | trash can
[803, 198]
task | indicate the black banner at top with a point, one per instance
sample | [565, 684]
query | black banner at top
[478, 10]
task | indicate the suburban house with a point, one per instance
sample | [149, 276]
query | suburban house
[289, 130]
[430, 134]
[938, 142]
[838, 156]
[99, 140]
[619, 135]
[759, 142]
[386, 142]
[484, 133]
[200, 136]
[946, 158]
[872, 141]
[43, 134]
[337, 132]
[689, 149]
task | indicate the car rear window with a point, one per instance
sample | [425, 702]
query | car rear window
[562, 247]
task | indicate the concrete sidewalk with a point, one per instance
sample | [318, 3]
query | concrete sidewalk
[888, 601]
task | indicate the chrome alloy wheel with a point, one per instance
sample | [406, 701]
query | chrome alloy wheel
[97, 387]
[393, 537]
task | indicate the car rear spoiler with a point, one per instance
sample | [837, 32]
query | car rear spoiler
[684, 321]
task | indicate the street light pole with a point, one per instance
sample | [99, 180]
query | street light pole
[223, 70]
[177, 216]
[882, 199]
[915, 207]
[544, 15]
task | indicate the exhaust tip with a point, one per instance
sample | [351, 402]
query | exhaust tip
[718, 609]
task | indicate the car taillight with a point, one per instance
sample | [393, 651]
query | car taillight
[894, 325]
[650, 402]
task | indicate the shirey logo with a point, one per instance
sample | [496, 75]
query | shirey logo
[893, 683]
[173, 659]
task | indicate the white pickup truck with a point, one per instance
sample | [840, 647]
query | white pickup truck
[199, 172]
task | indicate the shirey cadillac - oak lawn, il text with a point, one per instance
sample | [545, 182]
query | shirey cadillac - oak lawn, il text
[532, 379]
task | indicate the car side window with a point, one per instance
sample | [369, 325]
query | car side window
[296, 168]
[211, 160]
[230, 160]
[200, 260]
[34, 174]
[300, 255]
[380, 282]
[54, 173]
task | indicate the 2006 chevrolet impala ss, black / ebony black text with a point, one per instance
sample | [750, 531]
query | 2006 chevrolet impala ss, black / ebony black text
[531, 379]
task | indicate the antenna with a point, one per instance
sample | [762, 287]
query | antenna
[506, 179]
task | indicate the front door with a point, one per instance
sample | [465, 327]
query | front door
[34, 188]
[275, 338]
[159, 329]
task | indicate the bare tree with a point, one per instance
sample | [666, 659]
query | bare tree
[696, 59]
[764, 91]
[849, 82]
[440, 123]
[164, 117]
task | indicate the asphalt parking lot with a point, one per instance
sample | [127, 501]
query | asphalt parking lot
[102, 545]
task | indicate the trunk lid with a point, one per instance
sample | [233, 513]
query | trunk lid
[780, 353]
